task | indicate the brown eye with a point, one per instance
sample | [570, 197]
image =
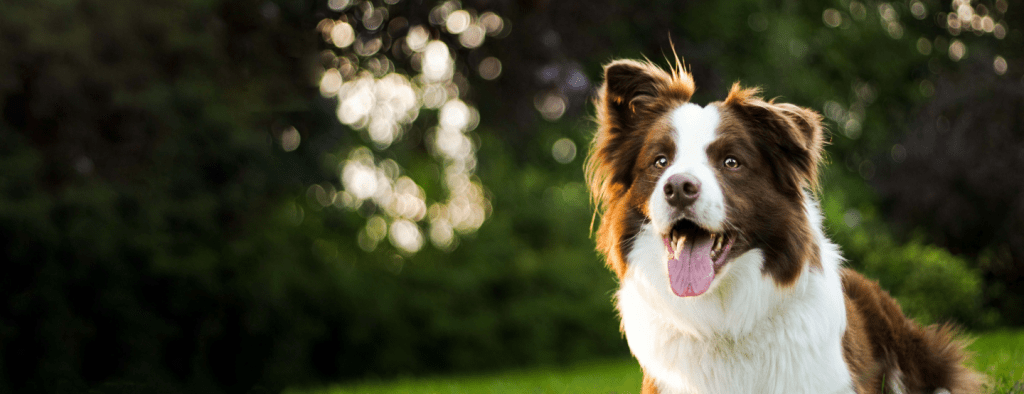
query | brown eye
[731, 162]
[661, 161]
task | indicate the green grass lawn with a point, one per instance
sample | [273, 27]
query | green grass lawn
[998, 354]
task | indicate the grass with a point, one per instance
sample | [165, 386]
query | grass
[999, 354]
[609, 376]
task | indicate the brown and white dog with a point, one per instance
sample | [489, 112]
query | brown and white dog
[727, 281]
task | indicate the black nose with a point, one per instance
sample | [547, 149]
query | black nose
[682, 190]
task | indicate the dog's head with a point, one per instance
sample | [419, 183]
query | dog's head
[710, 182]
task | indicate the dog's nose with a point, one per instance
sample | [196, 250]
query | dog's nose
[681, 190]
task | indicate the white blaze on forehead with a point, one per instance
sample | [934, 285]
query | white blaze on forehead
[694, 128]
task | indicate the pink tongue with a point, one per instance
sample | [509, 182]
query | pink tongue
[690, 270]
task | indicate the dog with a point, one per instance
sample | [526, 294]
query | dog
[727, 282]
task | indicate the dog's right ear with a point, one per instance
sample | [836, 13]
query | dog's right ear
[629, 84]
[633, 90]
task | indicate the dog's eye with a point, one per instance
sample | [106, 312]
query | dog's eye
[661, 161]
[731, 162]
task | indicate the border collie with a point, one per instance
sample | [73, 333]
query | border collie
[727, 281]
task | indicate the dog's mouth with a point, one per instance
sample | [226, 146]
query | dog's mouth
[695, 255]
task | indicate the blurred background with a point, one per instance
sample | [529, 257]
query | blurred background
[236, 196]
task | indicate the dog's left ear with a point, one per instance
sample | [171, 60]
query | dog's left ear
[807, 137]
[794, 136]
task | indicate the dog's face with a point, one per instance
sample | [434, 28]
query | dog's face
[710, 182]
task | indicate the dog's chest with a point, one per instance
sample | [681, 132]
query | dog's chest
[782, 355]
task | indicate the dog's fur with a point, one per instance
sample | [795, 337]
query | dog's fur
[781, 315]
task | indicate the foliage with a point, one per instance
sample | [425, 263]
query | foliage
[135, 167]
[917, 274]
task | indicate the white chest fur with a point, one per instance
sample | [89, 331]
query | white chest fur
[745, 335]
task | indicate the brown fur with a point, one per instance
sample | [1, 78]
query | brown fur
[881, 343]
[780, 147]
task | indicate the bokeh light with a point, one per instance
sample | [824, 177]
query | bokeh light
[381, 101]
[437, 62]
[473, 36]
[924, 46]
[957, 50]
[342, 34]
[359, 174]
[492, 22]
[330, 83]
[832, 17]
[441, 234]
[858, 11]
[550, 105]
[890, 20]
[564, 150]
[373, 18]
[417, 38]
[490, 68]
[338, 5]
[290, 139]
[999, 64]
[406, 236]
[458, 21]
[918, 9]
[974, 18]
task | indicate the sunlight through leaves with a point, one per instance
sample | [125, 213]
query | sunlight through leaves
[385, 73]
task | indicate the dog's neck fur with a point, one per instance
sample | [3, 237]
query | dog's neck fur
[745, 334]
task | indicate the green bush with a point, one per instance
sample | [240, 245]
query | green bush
[931, 284]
